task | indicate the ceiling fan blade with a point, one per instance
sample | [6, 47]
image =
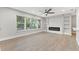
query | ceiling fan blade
[51, 12]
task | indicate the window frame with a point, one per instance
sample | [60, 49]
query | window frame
[25, 28]
[17, 23]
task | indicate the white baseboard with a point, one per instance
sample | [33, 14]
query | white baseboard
[11, 37]
[60, 33]
[54, 32]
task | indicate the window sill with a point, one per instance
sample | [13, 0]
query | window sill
[27, 30]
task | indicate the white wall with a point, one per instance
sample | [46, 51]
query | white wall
[44, 24]
[77, 26]
[73, 19]
[8, 23]
[55, 21]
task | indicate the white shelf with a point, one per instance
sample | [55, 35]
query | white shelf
[67, 25]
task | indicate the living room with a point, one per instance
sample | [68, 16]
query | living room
[38, 28]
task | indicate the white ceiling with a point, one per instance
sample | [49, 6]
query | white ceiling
[40, 10]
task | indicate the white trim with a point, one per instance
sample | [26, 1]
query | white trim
[11, 37]
[55, 32]
[67, 34]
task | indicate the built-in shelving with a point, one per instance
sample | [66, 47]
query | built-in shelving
[67, 25]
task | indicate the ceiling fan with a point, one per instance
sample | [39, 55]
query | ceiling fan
[48, 11]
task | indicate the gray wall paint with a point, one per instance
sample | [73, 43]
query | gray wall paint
[8, 23]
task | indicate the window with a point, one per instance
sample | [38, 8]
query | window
[24, 23]
[39, 24]
[20, 23]
[27, 23]
[33, 24]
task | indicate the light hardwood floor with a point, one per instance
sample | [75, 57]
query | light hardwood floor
[42, 41]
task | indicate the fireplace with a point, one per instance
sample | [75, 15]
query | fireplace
[54, 28]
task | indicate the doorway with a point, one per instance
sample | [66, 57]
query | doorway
[73, 25]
